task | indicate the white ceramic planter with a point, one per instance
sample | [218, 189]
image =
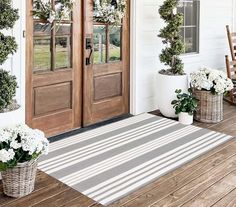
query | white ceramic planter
[166, 86]
[10, 118]
[185, 118]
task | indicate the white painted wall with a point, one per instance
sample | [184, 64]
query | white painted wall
[16, 63]
[214, 15]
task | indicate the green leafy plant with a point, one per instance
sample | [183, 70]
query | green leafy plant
[8, 87]
[171, 38]
[185, 102]
[8, 15]
[7, 46]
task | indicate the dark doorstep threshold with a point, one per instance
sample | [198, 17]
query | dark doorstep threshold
[81, 130]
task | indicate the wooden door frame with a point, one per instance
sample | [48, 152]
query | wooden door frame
[87, 69]
[77, 61]
[78, 83]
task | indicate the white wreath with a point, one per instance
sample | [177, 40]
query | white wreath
[106, 12]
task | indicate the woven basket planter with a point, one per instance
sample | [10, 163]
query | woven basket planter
[20, 180]
[210, 107]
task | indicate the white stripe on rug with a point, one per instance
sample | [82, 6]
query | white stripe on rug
[112, 161]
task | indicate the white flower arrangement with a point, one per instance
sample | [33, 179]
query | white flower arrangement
[20, 144]
[107, 12]
[42, 9]
[212, 80]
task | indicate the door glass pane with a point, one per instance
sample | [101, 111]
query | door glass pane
[42, 54]
[63, 29]
[115, 43]
[42, 29]
[63, 46]
[99, 35]
[63, 52]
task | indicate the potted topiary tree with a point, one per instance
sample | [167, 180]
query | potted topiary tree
[174, 77]
[8, 84]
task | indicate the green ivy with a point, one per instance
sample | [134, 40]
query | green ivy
[8, 15]
[171, 37]
[8, 87]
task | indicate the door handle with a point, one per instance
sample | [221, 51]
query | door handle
[89, 47]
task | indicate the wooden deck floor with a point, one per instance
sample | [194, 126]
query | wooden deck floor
[207, 181]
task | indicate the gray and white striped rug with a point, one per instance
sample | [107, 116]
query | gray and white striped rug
[112, 161]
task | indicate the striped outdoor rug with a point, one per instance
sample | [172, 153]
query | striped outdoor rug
[112, 161]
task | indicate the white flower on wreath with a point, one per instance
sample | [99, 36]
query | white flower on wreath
[52, 16]
[106, 13]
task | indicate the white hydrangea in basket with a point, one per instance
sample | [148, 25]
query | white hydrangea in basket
[20, 147]
[209, 86]
[20, 144]
[212, 80]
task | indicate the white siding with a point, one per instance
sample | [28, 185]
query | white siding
[16, 63]
[214, 15]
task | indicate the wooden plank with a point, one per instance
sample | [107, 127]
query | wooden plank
[182, 175]
[97, 205]
[181, 193]
[228, 201]
[222, 127]
[42, 181]
[58, 199]
[40, 195]
[82, 201]
[215, 193]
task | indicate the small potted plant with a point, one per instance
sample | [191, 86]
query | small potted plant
[185, 106]
[209, 86]
[20, 148]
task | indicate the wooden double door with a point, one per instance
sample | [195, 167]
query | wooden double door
[77, 70]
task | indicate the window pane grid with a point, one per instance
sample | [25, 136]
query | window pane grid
[190, 28]
[107, 42]
[52, 44]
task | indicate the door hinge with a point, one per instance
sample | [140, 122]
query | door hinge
[24, 34]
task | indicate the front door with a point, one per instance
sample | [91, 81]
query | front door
[77, 70]
[106, 69]
[54, 71]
